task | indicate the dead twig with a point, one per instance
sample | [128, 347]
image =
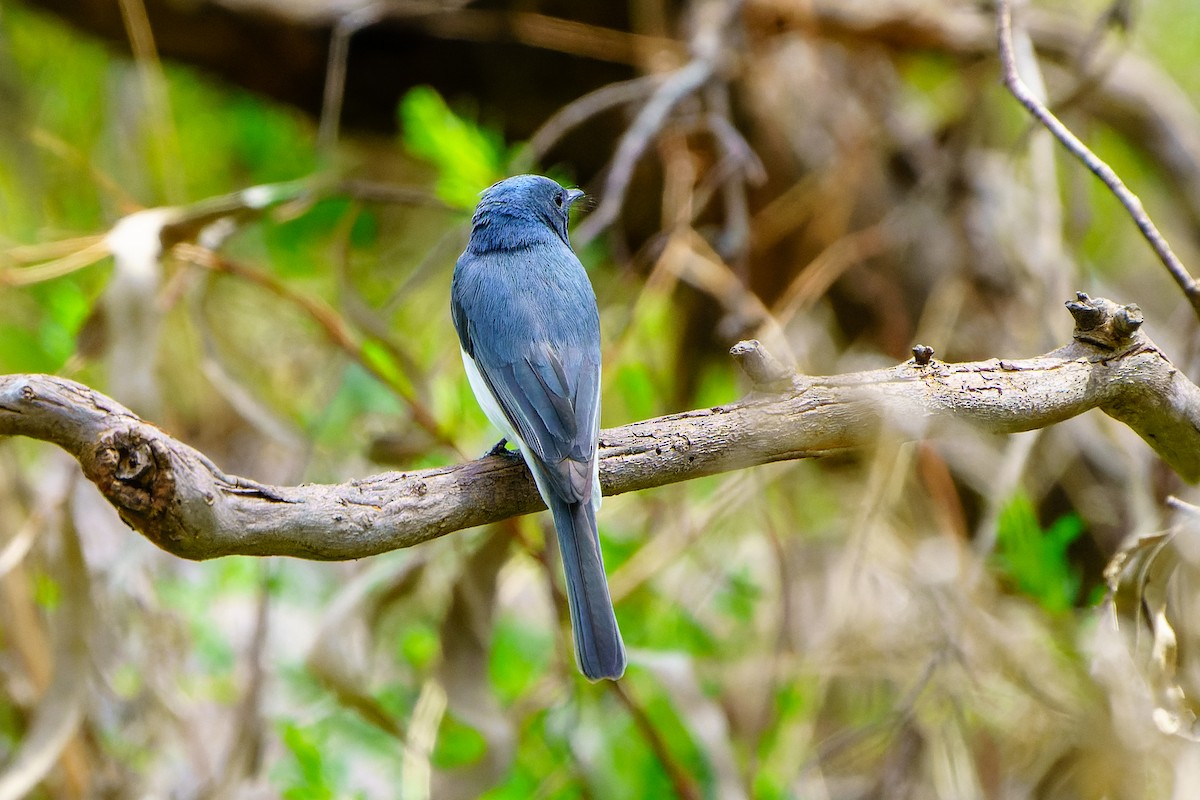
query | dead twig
[580, 110]
[61, 707]
[707, 52]
[335, 71]
[542, 31]
[1132, 203]
[330, 322]
[684, 784]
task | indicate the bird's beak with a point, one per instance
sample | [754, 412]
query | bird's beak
[573, 195]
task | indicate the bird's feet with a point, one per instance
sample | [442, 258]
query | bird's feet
[501, 449]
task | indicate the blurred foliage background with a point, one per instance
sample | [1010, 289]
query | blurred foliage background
[920, 620]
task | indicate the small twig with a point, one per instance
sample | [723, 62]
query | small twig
[1118, 16]
[370, 191]
[335, 71]
[648, 122]
[1183, 506]
[330, 322]
[737, 167]
[72, 154]
[580, 110]
[165, 142]
[241, 398]
[707, 52]
[1090, 76]
[53, 728]
[360, 313]
[815, 277]
[1012, 80]
[244, 751]
[734, 242]
[545, 32]
[763, 369]
[85, 257]
[683, 783]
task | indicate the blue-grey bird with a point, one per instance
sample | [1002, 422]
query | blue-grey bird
[526, 318]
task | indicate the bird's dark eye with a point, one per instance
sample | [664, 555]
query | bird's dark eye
[558, 199]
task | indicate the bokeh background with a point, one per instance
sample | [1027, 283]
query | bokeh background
[843, 181]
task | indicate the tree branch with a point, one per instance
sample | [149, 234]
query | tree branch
[1132, 203]
[176, 497]
[712, 23]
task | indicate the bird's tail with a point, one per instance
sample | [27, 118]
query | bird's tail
[598, 645]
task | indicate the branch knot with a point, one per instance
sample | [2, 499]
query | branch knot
[762, 368]
[922, 355]
[1102, 322]
[134, 473]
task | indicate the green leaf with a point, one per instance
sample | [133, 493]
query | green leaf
[520, 657]
[1035, 561]
[22, 351]
[467, 156]
[739, 596]
[46, 591]
[637, 389]
[458, 745]
[359, 395]
[311, 783]
[419, 645]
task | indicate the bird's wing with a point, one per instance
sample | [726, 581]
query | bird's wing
[552, 398]
[529, 323]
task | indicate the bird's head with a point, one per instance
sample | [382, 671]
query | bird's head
[522, 210]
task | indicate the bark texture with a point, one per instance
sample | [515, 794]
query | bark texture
[176, 497]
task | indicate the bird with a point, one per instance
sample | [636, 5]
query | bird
[529, 329]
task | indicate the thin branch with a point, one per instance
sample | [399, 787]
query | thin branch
[714, 20]
[244, 751]
[578, 111]
[344, 29]
[176, 497]
[634, 142]
[1137, 98]
[542, 31]
[681, 781]
[61, 706]
[397, 194]
[72, 262]
[330, 322]
[1106, 174]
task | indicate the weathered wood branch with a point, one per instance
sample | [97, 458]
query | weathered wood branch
[176, 497]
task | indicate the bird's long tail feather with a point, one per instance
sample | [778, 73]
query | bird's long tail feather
[598, 645]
